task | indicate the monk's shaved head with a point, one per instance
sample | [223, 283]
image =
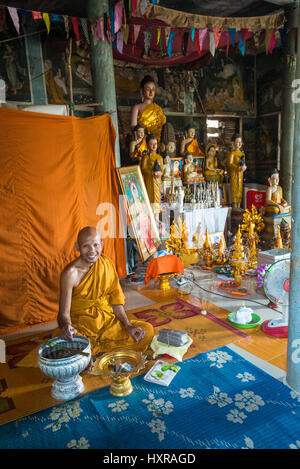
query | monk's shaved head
[89, 244]
[85, 233]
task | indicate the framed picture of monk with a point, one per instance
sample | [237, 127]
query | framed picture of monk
[142, 222]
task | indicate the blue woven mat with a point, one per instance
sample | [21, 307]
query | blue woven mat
[218, 400]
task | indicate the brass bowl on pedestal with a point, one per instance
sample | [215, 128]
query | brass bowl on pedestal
[164, 280]
[115, 365]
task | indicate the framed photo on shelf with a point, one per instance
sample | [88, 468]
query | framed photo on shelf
[139, 209]
[177, 163]
[198, 162]
[223, 195]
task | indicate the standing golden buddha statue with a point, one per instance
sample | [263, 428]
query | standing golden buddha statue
[147, 113]
[152, 170]
[236, 166]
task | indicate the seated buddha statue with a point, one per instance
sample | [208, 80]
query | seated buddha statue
[275, 202]
[190, 174]
[138, 144]
[147, 113]
[189, 144]
[211, 171]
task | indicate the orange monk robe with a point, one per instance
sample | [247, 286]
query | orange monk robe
[194, 148]
[152, 118]
[92, 314]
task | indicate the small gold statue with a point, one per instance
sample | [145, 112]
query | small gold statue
[278, 243]
[152, 170]
[207, 251]
[221, 257]
[252, 224]
[189, 144]
[275, 202]
[252, 254]
[138, 145]
[238, 258]
[236, 166]
[211, 171]
[178, 237]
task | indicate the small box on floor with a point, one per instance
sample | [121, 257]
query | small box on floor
[173, 337]
[272, 255]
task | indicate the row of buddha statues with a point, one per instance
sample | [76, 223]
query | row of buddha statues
[151, 131]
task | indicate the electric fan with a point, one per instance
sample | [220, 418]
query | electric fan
[276, 283]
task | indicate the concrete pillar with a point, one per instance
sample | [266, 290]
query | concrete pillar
[103, 70]
[293, 354]
[288, 112]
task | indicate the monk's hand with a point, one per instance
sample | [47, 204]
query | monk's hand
[67, 332]
[137, 333]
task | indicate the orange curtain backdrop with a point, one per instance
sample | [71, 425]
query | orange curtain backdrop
[56, 171]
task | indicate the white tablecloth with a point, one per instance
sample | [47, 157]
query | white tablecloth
[214, 219]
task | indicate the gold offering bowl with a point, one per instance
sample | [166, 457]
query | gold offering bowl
[110, 364]
[191, 256]
[164, 280]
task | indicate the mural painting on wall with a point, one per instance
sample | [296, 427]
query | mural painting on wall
[56, 73]
[269, 82]
[175, 88]
[228, 85]
[249, 139]
[267, 146]
[14, 70]
[267, 137]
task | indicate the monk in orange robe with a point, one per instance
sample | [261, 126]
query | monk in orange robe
[92, 302]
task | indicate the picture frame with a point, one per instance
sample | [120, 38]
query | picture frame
[15, 70]
[199, 164]
[139, 210]
[177, 163]
[223, 194]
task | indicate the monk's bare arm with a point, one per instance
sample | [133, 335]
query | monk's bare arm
[137, 333]
[67, 281]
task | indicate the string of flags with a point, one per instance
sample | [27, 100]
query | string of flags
[115, 28]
